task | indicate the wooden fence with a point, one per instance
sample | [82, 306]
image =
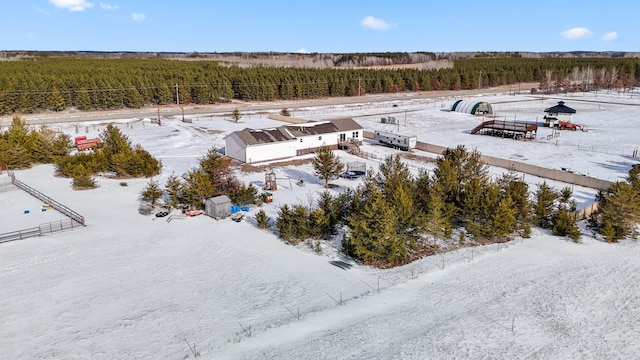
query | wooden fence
[74, 219]
[42, 229]
[47, 200]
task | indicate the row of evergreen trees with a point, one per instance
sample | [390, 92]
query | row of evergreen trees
[115, 155]
[54, 84]
[22, 146]
[395, 217]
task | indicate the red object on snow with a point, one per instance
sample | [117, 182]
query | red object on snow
[193, 212]
[87, 144]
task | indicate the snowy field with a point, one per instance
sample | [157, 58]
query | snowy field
[129, 286]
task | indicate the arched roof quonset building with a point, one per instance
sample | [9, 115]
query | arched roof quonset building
[472, 107]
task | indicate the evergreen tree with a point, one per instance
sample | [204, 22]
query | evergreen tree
[114, 141]
[437, 222]
[327, 165]
[285, 112]
[218, 168]
[56, 101]
[618, 210]
[262, 220]
[318, 224]
[173, 189]
[235, 115]
[197, 188]
[565, 225]
[300, 223]
[61, 146]
[82, 178]
[543, 210]
[398, 189]
[152, 192]
[504, 219]
[373, 237]
[244, 195]
[284, 223]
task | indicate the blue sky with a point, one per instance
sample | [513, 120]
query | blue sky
[325, 26]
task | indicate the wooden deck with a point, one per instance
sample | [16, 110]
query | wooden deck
[510, 129]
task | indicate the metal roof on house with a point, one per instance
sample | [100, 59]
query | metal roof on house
[291, 132]
[561, 108]
[263, 136]
[323, 127]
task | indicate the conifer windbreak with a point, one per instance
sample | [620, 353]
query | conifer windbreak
[55, 84]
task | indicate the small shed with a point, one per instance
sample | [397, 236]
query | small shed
[218, 207]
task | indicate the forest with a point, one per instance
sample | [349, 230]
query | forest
[90, 83]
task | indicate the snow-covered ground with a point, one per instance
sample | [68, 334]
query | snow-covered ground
[129, 286]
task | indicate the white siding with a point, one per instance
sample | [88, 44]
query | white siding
[315, 141]
[279, 150]
[235, 148]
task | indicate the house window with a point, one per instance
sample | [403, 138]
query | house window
[319, 137]
[300, 140]
[343, 137]
[355, 134]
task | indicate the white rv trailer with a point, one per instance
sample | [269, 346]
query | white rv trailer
[398, 141]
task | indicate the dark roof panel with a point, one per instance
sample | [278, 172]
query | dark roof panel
[262, 136]
[561, 108]
[291, 132]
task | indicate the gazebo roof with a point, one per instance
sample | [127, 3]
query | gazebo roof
[561, 108]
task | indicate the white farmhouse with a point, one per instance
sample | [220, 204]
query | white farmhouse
[256, 145]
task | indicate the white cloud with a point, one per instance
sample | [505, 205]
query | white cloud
[610, 36]
[104, 6]
[302, 51]
[72, 5]
[373, 23]
[138, 17]
[577, 33]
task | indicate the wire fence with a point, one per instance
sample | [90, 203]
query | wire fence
[368, 284]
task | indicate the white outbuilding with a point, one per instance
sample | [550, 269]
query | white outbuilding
[256, 145]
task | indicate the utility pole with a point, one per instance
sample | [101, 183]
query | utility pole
[177, 98]
[358, 85]
[480, 80]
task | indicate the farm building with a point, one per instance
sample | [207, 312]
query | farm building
[255, 145]
[558, 113]
[218, 207]
[472, 107]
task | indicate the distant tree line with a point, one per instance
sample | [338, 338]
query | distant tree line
[395, 218]
[56, 84]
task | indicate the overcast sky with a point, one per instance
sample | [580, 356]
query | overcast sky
[325, 26]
